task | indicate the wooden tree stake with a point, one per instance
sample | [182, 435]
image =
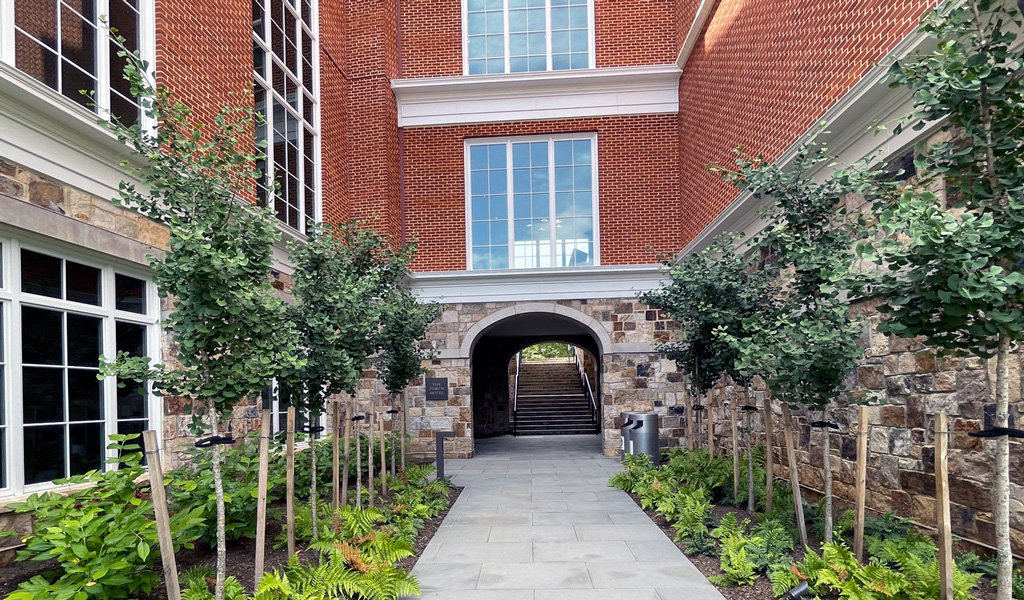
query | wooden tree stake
[735, 451]
[405, 411]
[794, 475]
[942, 506]
[289, 453]
[369, 458]
[335, 455]
[383, 457]
[261, 493]
[345, 448]
[690, 416]
[861, 480]
[769, 458]
[359, 469]
[163, 519]
[711, 426]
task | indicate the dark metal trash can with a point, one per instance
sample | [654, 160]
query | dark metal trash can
[644, 436]
[628, 423]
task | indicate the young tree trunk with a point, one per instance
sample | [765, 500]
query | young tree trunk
[1002, 487]
[312, 486]
[218, 490]
[688, 403]
[383, 459]
[827, 465]
[335, 455]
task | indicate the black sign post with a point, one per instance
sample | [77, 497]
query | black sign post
[440, 437]
[437, 389]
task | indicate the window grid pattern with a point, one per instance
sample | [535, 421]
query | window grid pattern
[548, 187]
[57, 317]
[284, 59]
[489, 200]
[519, 36]
[63, 45]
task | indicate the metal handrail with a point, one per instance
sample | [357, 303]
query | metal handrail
[585, 379]
[515, 395]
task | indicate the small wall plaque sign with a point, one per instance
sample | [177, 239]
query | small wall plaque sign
[437, 389]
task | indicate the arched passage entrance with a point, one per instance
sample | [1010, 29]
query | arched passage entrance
[496, 343]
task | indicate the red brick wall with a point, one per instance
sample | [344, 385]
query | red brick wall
[638, 186]
[764, 72]
[337, 202]
[431, 38]
[204, 53]
[629, 32]
[372, 62]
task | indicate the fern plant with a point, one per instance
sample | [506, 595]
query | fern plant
[737, 566]
[692, 508]
[197, 584]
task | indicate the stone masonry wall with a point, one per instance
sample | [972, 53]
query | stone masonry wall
[909, 385]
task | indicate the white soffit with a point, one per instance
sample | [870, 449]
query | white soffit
[433, 101]
[571, 283]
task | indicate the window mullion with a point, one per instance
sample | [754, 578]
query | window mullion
[551, 202]
[7, 48]
[547, 34]
[510, 193]
[508, 38]
[109, 400]
[102, 54]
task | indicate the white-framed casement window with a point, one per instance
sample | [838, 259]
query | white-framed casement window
[58, 314]
[286, 58]
[531, 202]
[65, 45]
[518, 36]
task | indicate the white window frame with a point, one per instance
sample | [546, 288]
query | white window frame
[11, 301]
[147, 51]
[508, 141]
[591, 50]
[272, 95]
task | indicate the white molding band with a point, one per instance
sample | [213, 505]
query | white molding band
[531, 285]
[479, 328]
[433, 101]
[849, 135]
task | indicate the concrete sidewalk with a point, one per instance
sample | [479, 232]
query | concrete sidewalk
[537, 521]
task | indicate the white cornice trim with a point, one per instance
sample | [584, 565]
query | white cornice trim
[55, 137]
[432, 101]
[696, 28]
[848, 135]
[519, 285]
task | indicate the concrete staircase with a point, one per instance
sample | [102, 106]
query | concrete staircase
[551, 400]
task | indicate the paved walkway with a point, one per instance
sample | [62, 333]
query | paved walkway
[537, 521]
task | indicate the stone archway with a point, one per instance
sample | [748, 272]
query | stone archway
[498, 338]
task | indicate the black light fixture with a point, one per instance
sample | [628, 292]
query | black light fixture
[797, 592]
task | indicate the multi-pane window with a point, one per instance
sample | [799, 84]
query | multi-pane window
[58, 315]
[516, 36]
[532, 202]
[285, 58]
[65, 45]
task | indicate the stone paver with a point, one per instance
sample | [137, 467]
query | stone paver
[537, 521]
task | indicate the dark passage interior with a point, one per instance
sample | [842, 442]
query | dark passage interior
[494, 368]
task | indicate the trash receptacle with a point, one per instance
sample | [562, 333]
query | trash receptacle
[628, 423]
[644, 436]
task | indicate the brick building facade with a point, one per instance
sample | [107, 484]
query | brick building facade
[545, 154]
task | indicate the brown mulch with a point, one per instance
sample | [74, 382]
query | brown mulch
[239, 556]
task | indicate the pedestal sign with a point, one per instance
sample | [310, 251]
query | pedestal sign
[437, 389]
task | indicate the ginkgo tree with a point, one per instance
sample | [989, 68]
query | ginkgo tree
[226, 321]
[806, 344]
[950, 264]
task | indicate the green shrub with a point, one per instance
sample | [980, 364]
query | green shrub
[634, 467]
[692, 509]
[737, 566]
[103, 538]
